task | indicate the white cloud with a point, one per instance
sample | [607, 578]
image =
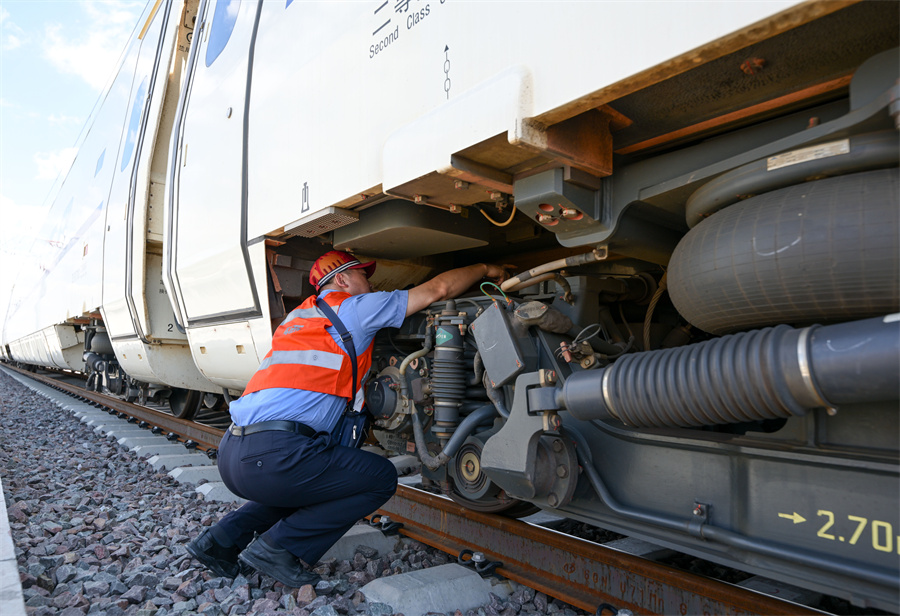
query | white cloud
[116, 12]
[51, 164]
[11, 35]
[92, 53]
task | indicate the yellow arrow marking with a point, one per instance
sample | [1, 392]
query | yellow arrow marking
[796, 517]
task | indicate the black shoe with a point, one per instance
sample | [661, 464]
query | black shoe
[277, 563]
[220, 560]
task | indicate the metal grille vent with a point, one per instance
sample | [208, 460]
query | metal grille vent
[321, 221]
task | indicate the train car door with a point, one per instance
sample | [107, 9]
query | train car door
[212, 272]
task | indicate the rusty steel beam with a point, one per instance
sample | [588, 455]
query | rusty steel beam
[579, 572]
[206, 437]
[742, 114]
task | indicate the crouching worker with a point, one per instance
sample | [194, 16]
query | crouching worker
[304, 490]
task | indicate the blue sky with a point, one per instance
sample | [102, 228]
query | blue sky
[56, 57]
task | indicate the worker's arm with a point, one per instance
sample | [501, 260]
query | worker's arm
[450, 284]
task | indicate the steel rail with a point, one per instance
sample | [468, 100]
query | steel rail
[579, 572]
[205, 437]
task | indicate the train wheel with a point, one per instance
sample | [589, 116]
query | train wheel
[184, 403]
[472, 489]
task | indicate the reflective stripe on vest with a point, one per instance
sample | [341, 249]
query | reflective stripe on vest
[321, 359]
[305, 356]
[303, 313]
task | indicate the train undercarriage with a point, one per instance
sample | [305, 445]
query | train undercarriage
[700, 345]
[736, 399]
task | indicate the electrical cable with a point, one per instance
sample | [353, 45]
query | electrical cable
[494, 222]
[491, 297]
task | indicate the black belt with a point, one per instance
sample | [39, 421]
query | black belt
[263, 426]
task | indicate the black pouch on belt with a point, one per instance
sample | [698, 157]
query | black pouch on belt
[352, 428]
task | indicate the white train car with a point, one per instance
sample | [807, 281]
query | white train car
[292, 159]
[741, 155]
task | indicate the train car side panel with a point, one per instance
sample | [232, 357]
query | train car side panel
[302, 118]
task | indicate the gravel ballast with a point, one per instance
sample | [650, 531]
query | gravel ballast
[98, 531]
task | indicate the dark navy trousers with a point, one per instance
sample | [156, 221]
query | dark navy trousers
[304, 493]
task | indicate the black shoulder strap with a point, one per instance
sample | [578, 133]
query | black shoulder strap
[346, 338]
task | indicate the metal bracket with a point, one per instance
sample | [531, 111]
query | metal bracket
[526, 460]
[700, 518]
[478, 562]
[385, 525]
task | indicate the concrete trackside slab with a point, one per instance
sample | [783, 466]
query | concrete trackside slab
[99, 424]
[139, 440]
[82, 407]
[120, 429]
[369, 536]
[103, 426]
[12, 603]
[177, 460]
[196, 474]
[86, 416]
[445, 588]
[164, 448]
[216, 491]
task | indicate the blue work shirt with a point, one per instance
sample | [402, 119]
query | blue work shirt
[363, 315]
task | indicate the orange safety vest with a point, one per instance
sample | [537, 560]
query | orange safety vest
[305, 356]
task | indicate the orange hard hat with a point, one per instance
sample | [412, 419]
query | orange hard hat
[332, 263]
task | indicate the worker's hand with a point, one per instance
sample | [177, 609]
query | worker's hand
[497, 273]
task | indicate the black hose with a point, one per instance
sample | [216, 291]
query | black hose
[462, 432]
[496, 397]
[466, 427]
[765, 374]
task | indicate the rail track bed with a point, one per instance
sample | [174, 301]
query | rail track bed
[99, 531]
